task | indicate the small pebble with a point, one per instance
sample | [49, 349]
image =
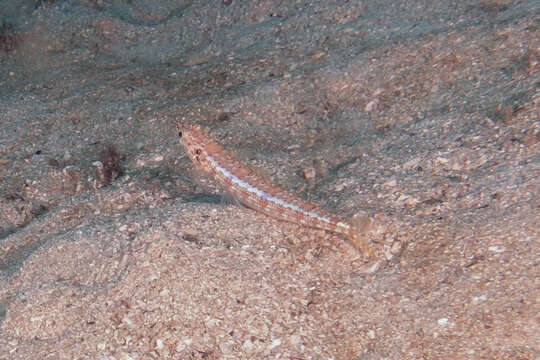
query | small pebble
[495, 249]
[309, 174]
[412, 164]
[442, 321]
[295, 340]
[396, 247]
[247, 345]
[274, 344]
[390, 183]
[372, 105]
[226, 347]
[477, 299]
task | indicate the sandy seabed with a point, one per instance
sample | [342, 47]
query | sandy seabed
[421, 115]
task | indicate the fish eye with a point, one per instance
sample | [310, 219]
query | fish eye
[198, 151]
[179, 134]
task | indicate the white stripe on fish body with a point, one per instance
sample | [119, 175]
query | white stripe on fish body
[263, 195]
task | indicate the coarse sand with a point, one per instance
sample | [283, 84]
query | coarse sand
[420, 115]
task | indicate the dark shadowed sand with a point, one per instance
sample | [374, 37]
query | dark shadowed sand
[421, 115]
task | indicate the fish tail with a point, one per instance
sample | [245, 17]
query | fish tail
[357, 235]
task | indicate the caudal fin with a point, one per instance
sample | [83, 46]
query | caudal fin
[357, 235]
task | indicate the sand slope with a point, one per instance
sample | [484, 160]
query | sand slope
[422, 115]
